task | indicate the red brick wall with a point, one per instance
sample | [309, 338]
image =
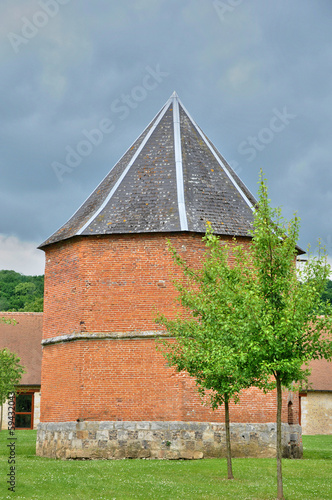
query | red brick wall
[101, 284]
[128, 380]
[116, 284]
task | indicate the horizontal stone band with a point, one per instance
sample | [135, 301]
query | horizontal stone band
[170, 440]
[138, 334]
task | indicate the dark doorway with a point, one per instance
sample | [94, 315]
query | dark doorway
[24, 410]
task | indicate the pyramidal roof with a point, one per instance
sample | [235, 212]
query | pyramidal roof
[171, 179]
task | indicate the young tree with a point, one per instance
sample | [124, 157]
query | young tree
[257, 321]
[290, 324]
[11, 373]
[212, 343]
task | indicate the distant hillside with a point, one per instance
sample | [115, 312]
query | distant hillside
[327, 295]
[26, 293]
[21, 293]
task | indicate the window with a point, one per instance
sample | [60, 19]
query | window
[290, 413]
[24, 411]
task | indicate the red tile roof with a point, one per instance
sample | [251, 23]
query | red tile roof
[321, 375]
[24, 339]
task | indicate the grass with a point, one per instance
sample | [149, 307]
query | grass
[40, 478]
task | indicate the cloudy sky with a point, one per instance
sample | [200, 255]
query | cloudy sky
[254, 74]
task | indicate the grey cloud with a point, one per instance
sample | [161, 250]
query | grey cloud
[230, 75]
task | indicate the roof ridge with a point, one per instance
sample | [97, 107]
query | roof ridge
[178, 163]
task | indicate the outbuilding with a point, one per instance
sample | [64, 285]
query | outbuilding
[106, 391]
[23, 336]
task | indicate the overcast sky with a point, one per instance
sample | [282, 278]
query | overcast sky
[254, 74]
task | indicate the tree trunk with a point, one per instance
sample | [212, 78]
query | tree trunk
[279, 449]
[228, 442]
[1, 417]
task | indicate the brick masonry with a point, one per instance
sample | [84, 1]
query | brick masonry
[100, 361]
[127, 379]
[163, 440]
[114, 283]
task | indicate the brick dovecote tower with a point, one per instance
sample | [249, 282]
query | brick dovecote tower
[106, 391]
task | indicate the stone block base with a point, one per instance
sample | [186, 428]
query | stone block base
[163, 440]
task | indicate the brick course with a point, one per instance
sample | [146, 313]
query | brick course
[102, 284]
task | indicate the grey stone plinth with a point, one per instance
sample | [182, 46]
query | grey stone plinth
[169, 440]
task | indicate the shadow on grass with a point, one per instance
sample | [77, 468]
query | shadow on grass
[317, 447]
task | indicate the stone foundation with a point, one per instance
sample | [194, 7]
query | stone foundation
[163, 440]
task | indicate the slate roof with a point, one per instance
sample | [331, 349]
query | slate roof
[171, 179]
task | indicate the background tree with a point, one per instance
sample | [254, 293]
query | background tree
[11, 373]
[285, 324]
[212, 342]
[21, 293]
[327, 293]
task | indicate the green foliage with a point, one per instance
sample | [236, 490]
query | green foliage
[255, 322]
[289, 323]
[8, 321]
[21, 293]
[212, 343]
[284, 320]
[253, 319]
[11, 373]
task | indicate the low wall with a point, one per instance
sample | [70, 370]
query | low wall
[169, 440]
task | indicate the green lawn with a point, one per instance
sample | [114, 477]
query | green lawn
[43, 478]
